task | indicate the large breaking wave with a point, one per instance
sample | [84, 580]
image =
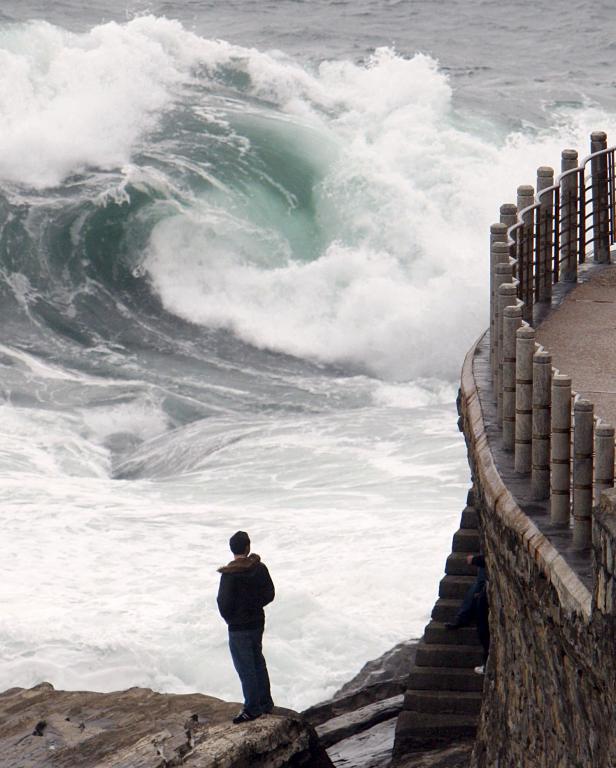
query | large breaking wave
[209, 256]
[336, 214]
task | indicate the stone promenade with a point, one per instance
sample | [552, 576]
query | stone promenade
[580, 333]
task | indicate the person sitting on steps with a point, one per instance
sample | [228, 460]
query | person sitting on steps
[475, 607]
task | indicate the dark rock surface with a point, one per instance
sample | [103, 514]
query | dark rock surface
[138, 728]
[393, 665]
[379, 679]
[343, 726]
[358, 724]
[456, 755]
[372, 749]
[368, 749]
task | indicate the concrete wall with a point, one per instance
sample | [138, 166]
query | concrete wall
[550, 687]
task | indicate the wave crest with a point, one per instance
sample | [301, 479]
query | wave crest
[337, 213]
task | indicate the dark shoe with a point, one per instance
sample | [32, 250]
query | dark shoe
[268, 710]
[244, 717]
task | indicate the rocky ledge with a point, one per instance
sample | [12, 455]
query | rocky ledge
[138, 728]
[357, 725]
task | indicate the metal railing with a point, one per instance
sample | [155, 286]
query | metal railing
[568, 222]
[538, 243]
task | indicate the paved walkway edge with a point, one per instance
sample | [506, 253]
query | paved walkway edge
[574, 596]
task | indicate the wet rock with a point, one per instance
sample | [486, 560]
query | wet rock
[391, 666]
[456, 755]
[373, 749]
[138, 728]
[346, 725]
[379, 679]
[370, 749]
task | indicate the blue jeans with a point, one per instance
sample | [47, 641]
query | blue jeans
[247, 655]
[468, 609]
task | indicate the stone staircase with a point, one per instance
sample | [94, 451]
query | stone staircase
[444, 693]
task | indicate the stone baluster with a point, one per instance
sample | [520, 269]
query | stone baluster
[582, 473]
[525, 349]
[525, 255]
[498, 234]
[600, 214]
[604, 458]
[502, 274]
[499, 254]
[512, 320]
[569, 204]
[507, 296]
[560, 505]
[545, 244]
[542, 397]
[509, 214]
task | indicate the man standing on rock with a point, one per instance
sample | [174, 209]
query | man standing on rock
[245, 587]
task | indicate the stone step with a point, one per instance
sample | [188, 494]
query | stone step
[444, 702]
[446, 610]
[444, 679]
[470, 518]
[437, 634]
[416, 730]
[456, 565]
[455, 587]
[466, 540]
[447, 655]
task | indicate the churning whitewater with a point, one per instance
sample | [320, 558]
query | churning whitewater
[235, 292]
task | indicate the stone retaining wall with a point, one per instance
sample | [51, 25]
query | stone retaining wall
[550, 687]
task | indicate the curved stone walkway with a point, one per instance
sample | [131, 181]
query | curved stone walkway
[580, 332]
[580, 561]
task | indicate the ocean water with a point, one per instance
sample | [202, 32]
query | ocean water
[243, 250]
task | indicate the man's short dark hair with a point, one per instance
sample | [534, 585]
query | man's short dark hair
[239, 543]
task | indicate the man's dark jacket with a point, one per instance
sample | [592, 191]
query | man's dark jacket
[480, 562]
[245, 587]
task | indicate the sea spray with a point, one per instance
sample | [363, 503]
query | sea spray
[235, 292]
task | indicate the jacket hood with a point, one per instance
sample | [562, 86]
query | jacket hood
[242, 565]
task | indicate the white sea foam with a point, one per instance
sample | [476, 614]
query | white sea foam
[405, 194]
[415, 394]
[109, 584]
[69, 101]
[48, 446]
[141, 418]
[399, 288]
